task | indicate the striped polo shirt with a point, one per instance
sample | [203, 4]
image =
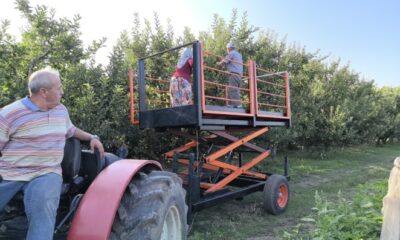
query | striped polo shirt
[32, 141]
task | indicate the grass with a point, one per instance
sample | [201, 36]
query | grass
[337, 170]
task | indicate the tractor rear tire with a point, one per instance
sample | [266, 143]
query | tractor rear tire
[276, 194]
[153, 207]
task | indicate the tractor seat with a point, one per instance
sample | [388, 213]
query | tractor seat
[71, 166]
[71, 163]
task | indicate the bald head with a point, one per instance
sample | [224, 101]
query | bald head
[43, 78]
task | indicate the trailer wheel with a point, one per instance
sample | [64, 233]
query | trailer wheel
[153, 207]
[276, 194]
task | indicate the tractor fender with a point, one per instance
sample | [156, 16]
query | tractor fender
[96, 212]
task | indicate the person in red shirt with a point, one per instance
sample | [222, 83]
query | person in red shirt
[180, 84]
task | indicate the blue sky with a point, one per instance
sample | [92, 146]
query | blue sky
[364, 33]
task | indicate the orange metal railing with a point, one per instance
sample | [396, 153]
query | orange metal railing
[264, 94]
[134, 100]
[214, 82]
[272, 94]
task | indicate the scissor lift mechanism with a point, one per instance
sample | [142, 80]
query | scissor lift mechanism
[210, 163]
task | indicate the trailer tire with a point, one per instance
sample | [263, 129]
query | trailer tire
[153, 207]
[276, 194]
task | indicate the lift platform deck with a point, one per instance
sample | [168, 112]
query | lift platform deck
[265, 95]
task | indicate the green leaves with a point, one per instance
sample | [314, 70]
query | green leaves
[340, 218]
[331, 104]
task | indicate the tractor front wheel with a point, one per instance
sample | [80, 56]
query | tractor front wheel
[276, 194]
[153, 207]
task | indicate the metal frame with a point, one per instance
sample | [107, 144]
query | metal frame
[211, 176]
[202, 116]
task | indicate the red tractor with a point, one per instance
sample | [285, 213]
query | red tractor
[137, 199]
[129, 199]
